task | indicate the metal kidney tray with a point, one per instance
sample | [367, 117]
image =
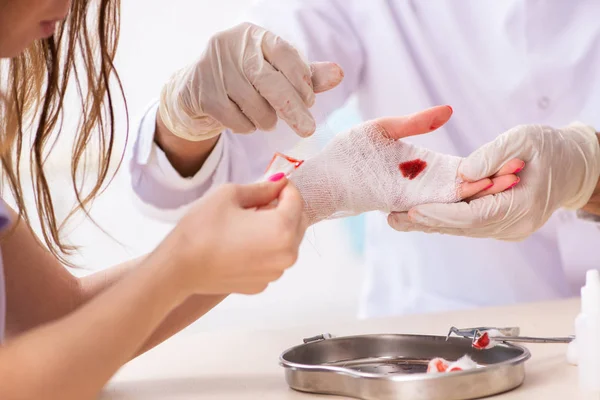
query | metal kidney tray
[391, 366]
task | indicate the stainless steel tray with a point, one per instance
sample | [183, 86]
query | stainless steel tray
[390, 366]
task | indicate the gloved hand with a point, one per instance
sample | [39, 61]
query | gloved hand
[562, 169]
[245, 80]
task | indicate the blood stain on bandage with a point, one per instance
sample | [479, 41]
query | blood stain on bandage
[412, 169]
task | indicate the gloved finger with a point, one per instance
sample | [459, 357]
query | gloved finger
[500, 184]
[477, 213]
[402, 223]
[489, 159]
[286, 59]
[325, 76]
[254, 106]
[280, 94]
[222, 109]
[416, 124]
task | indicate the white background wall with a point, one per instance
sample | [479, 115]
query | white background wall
[157, 38]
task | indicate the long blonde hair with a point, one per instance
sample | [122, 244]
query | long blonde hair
[81, 53]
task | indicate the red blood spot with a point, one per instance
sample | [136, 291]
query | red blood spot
[412, 169]
[482, 342]
[435, 124]
[455, 369]
[437, 365]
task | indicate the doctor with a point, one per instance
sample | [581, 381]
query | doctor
[499, 64]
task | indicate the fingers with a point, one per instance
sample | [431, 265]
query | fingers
[290, 203]
[468, 189]
[415, 124]
[401, 222]
[477, 213]
[259, 194]
[306, 79]
[221, 108]
[514, 166]
[325, 76]
[490, 159]
[283, 97]
[286, 59]
[505, 179]
[511, 167]
[254, 106]
[474, 190]
[499, 185]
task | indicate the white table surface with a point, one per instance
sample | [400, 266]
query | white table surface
[244, 365]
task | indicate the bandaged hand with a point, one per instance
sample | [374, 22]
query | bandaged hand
[367, 168]
[562, 169]
[245, 80]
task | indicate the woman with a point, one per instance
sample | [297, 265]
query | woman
[65, 337]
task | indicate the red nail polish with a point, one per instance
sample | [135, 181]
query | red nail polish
[519, 169]
[514, 184]
[488, 187]
[277, 177]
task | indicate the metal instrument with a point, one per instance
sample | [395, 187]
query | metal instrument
[510, 334]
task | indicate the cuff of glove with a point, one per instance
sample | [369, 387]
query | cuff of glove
[194, 125]
[587, 139]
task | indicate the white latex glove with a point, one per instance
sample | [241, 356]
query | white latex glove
[562, 169]
[246, 78]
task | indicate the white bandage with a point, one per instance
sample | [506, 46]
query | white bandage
[364, 170]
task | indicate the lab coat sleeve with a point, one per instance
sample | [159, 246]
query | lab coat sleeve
[322, 32]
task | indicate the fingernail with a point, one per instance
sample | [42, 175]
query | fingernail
[276, 177]
[488, 187]
[514, 184]
[451, 110]
[520, 168]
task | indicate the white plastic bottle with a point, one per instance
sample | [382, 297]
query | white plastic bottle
[587, 332]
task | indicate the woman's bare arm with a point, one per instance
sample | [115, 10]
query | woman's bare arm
[39, 289]
[73, 356]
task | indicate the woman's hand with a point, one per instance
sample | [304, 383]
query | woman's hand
[231, 242]
[368, 168]
[245, 80]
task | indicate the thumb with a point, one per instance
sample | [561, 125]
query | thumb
[325, 76]
[416, 124]
[260, 194]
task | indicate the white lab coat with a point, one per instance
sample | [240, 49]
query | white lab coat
[498, 63]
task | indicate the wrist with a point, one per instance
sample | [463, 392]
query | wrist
[187, 157]
[593, 204]
[186, 253]
[169, 262]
